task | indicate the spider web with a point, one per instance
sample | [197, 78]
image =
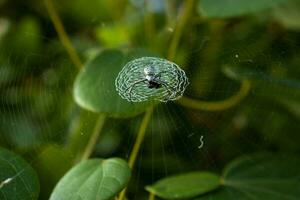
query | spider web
[131, 85]
[37, 109]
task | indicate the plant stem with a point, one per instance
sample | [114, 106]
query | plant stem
[62, 33]
[138, 142]
[149, 23]
[218, 105]
[151, 196]
[170, 12]
[94, 137]
[66, 42]
[140, 137]
[183, 19]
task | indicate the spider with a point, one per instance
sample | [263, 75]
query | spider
[153, 80]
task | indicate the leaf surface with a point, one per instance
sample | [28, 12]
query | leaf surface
[185, 185]
[260, 176]
[94, 179]
[18, 180]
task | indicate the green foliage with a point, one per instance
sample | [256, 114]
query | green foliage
[18, 180]
[185, 185]
[49, 110]
[262, 176]
[113, 36]
[94, 179]
[232, 8]
[24, 37]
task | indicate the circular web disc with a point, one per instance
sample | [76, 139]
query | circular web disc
[132, 84]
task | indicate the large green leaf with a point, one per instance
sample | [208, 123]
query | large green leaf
[17, 178]
[94, 179]
[95, 90]
[185, 185]
[232, 8]
[257, 177]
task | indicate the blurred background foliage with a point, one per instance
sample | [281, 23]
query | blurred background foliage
[40, 120]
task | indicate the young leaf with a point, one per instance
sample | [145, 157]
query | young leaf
[263, 176]
[232, 8]
[94, 179]
[185, 185]
[17, 178]
[95, 90]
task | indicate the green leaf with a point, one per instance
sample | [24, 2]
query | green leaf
[232, 8]
[23, 38]
[185, 185]
[17, 178]
[95, 90]
[260, 176]
[115, 35]
[94, 179]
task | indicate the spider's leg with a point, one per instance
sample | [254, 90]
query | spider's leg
[163, 83]
[132, 85]
[158, 75]
[170, 91]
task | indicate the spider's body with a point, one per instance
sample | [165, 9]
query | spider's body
[153, 84]
[150, 77]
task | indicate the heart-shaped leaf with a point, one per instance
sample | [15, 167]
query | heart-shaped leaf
[257, 177]
[95, 90]
[232, 8]
[94, 179]
[185, 185]
[17, 178]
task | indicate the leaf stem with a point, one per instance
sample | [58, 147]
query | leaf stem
[183, 18]
[138, 142]
[170, 12]
[218, 105]
[151, 196]
[140, 137]
[65, 40]
[94, 137]
[149, 23]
